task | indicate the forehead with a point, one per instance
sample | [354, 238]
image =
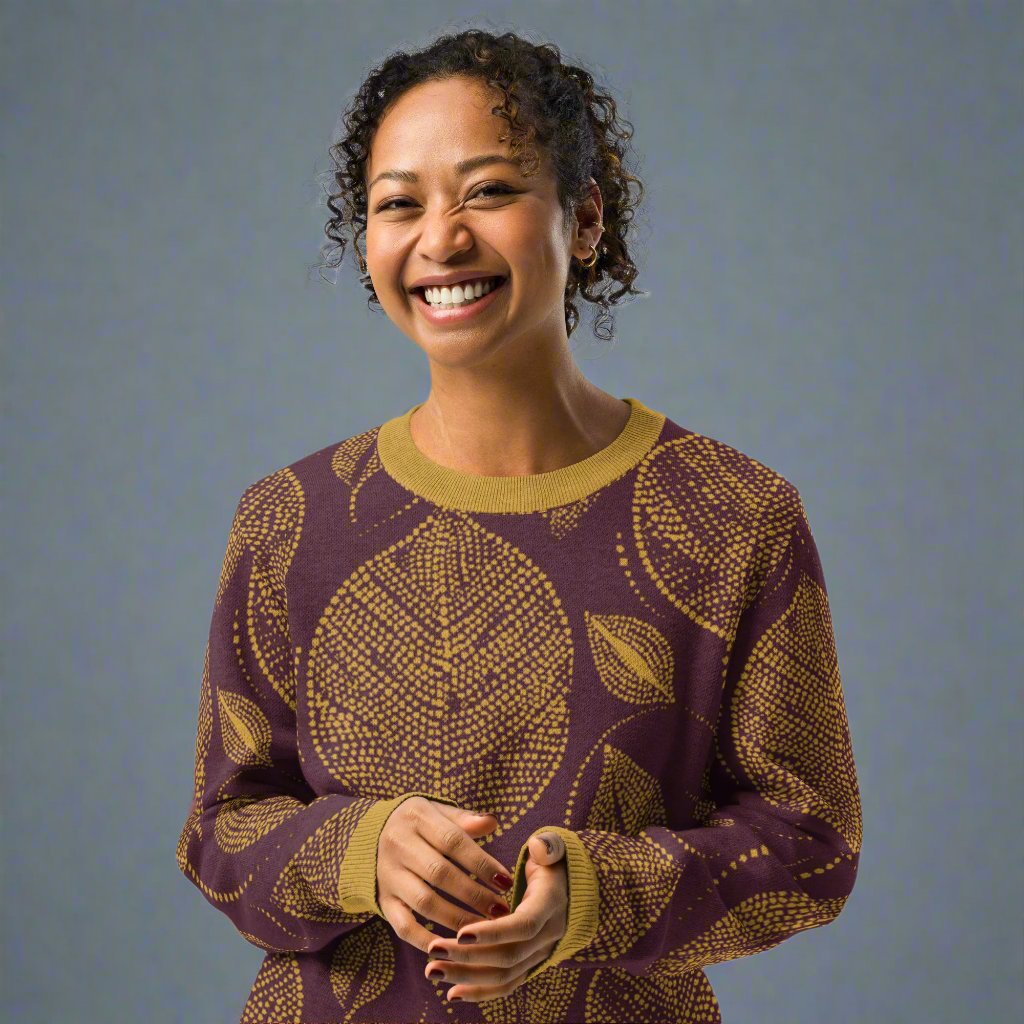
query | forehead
[433, 125]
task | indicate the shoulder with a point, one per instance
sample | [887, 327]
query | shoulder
[270, 511]
[338, 459]
[731, 506]
[723, 473]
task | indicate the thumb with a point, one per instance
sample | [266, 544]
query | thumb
[546, 847]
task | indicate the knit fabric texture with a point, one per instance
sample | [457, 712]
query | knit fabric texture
[634, 651]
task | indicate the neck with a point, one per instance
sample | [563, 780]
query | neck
[511, 424]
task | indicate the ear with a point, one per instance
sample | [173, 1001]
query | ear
[589, 217]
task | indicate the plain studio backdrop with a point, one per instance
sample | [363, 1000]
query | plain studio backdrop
[832, 247]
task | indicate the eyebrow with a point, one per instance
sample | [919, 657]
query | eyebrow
[464, 167]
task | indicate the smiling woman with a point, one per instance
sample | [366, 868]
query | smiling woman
[527, 691]
[547, 136]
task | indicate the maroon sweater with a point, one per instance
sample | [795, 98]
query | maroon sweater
[634, 651]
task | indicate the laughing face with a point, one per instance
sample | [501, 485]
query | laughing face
[430, 218]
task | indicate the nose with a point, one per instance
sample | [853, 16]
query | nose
[443, 238]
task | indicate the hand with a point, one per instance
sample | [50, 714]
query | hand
[417, 847]
[505, 950]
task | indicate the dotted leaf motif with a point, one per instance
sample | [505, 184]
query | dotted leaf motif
[790, 728]
[628, 798]
[626, 912]
[615, 994]
[768, 913]
[346, 457]
[350, 465]
[244, 729]
[268, 634]
[268, 521]
[269, 513]
[544, 1000]
[276, 993]
[363, 967]
[684, 491]
[422, 649]
[563, 519]
[632, 657]
[243, 820]
[312, 877]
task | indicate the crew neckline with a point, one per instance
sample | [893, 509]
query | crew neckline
[471, 492]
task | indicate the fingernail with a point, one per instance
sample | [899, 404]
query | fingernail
[468, 937]
[497, 909]
[438, 954]
[452, 999]
[435, 973]
[502, 881]
[547, 844]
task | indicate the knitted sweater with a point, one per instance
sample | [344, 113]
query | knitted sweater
[634, 651]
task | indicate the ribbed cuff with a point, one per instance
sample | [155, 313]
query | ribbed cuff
[581, 926]
[358, 883]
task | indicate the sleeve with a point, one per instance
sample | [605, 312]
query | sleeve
[291, 870]
[778, 842]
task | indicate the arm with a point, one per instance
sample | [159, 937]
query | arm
[292, 871]
[778, 845]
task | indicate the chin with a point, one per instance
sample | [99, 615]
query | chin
[459, 353]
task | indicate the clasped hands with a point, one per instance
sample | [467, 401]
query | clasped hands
[490, 956]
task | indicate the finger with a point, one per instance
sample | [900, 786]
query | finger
[427, 870]
[478, 988]
[476, 823]
[525, 923]
[501, 963]
[451, 957]
[546, 847]
[403, 921]
[451, 839]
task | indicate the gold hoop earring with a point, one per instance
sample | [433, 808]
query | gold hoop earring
[593, 259]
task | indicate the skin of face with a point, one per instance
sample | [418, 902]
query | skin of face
[446, 222]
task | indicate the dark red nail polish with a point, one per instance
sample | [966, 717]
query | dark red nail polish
[469, 937]
[435, 973]
[502, 881]
[497, 909]
[439, 954]
[451, 999]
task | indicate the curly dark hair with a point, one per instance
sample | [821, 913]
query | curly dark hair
[546, 101]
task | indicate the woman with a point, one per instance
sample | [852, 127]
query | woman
[526, 637]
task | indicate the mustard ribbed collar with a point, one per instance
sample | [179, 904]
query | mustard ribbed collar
[452, 488]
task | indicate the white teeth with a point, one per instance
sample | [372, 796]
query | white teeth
[460, 294]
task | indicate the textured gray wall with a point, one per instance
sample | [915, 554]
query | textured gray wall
[833, 247]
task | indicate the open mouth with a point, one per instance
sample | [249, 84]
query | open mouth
[453, 315]
[491, 284]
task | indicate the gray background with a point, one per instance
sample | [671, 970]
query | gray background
[832, 245]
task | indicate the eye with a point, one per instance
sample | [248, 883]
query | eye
[498, 188]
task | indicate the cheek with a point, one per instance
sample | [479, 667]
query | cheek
[550, 246]
[372, 248]
[377, 249]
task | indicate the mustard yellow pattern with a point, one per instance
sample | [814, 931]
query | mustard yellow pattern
[633, 658]
[419, 650]
[634, 653]
[276, 993]
[789, 724]
[704, 526]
